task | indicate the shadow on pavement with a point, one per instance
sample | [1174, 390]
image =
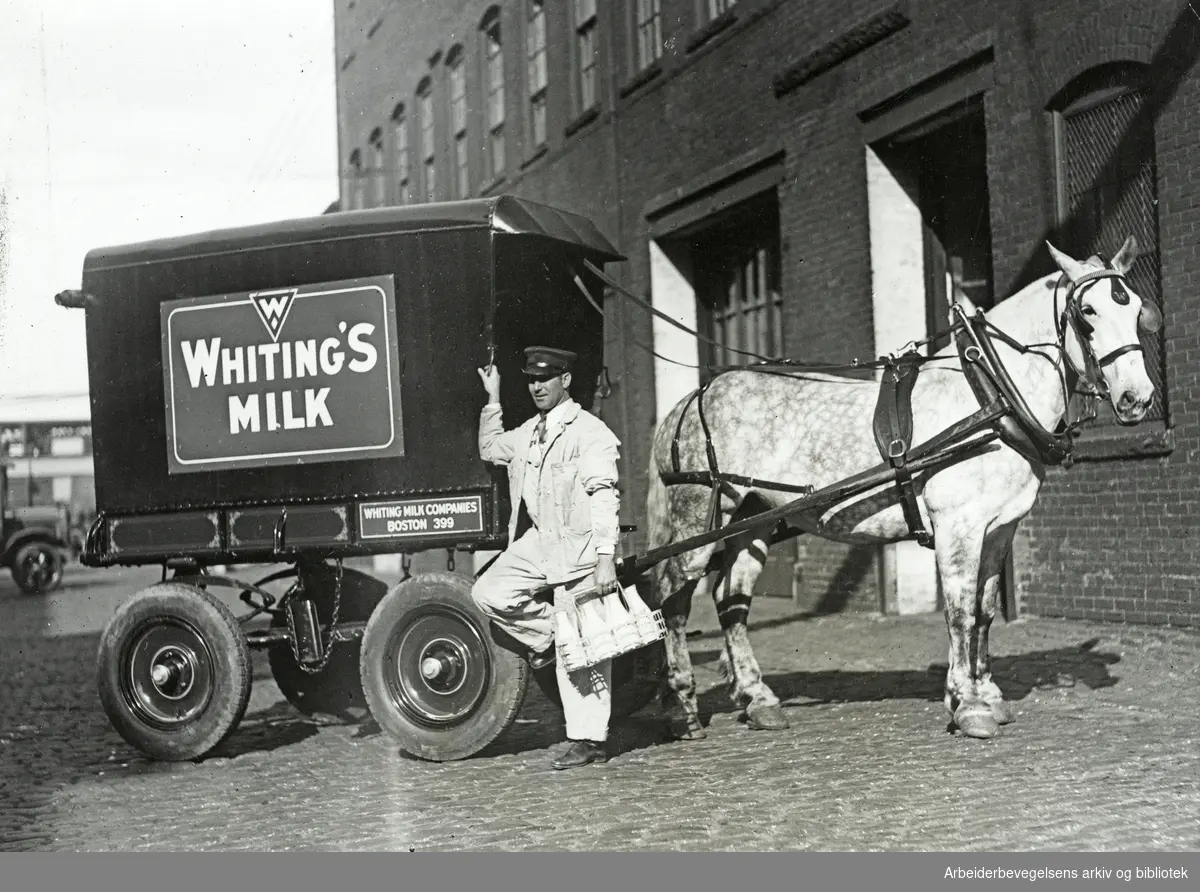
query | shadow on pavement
[1017, 675]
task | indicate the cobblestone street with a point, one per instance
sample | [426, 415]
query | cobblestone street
[1104, 755]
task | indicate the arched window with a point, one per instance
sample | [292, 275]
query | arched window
[458, 121]
[535, 70]
[377, 166]
[400, 154]
[428, 143]
[1107, 188]
[493, 81]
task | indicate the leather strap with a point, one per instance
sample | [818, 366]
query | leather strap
[893, 434]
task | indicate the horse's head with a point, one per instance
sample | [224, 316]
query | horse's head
[1100, 326]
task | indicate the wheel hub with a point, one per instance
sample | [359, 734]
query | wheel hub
[173, 671]
[168, 679]
[438, 667]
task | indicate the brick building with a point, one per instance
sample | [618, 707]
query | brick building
[804, 177]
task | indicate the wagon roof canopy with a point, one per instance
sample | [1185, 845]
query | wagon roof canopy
[504, 214]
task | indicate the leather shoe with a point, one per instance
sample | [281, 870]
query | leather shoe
[541, 659]
[581, 752]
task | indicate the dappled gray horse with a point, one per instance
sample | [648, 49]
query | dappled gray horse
[806, 428]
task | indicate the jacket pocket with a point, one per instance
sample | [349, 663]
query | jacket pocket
[570, 499]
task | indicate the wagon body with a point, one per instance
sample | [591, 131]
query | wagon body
[303, 392]
[310, 386]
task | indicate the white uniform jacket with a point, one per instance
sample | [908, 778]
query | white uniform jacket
[578, 502]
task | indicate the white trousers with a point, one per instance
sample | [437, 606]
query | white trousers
[586, 693]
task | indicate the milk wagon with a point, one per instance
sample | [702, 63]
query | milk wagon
[304, 393]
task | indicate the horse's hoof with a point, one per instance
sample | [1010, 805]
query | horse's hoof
[1003, 712]
[766, 718]
[978, 723]
[685, 728]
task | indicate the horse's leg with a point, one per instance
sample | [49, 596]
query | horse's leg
[995, 548]
[744, 559]
[959, 549]
[682, 715]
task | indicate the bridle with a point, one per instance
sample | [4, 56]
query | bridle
[991, 382]
[1072, 315]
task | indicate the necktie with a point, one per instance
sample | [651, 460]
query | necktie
[541, 429]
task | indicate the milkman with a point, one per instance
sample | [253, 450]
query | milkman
[562, 477]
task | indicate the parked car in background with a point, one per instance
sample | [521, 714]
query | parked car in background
[33, 542]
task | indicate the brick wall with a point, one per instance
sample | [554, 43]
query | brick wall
[1108, 539]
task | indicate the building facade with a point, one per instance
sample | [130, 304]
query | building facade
[46, 444]
[807, 179]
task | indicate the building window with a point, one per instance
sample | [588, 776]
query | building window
[738, 285]
[717, 8]
[493, 76]
[428, 144]
[649, 32]
[584, 21]
[377, 167]
[400, 148]
[535, 56]
[356, 197]
[458, 122]
[1108, 190]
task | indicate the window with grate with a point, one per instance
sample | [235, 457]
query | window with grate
[458, 122]
[377, 167]
[584, 22]
[400, 148]
[493, 73]
[1107, 190]
[535, 70]
[428, 144]
[649, 32]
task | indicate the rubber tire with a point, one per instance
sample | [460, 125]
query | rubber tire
[336, 689]
[231, 671]
[637, 678]
[503, 696]
[24, 553]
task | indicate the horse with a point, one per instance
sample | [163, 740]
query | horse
[1070, 329]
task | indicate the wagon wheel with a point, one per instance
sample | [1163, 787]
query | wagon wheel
[174, 671]
[37, 568]
[636, 677]
[433, 676]
[336, 689]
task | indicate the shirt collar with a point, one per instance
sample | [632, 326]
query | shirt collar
[560, 414]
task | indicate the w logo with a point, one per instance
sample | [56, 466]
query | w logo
[273, 308]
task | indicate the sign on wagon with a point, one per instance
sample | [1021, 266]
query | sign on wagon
[282, 376]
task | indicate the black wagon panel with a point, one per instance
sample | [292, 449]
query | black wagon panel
[437, 296]
[326, 363]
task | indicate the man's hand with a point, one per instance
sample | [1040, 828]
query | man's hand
[491, 382]
[606, 573]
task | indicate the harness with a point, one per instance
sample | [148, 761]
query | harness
[1003, 408]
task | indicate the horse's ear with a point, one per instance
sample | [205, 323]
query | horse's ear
[1126, 256]
[1069, 265]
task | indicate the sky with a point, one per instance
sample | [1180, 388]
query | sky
[129, 120]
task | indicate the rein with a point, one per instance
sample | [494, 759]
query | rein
[989, 379]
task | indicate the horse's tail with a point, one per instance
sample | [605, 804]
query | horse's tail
[658, 526]
[658, 508]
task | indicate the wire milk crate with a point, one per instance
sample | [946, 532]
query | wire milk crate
[591, 628]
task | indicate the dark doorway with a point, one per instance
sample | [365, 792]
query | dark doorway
[948, 152]
[946, 157]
